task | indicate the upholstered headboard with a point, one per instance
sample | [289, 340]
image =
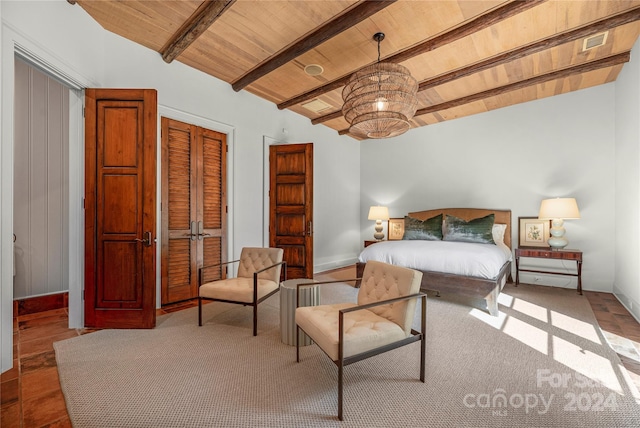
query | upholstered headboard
[501, 217]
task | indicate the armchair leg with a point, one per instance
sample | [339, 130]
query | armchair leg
[255, 319]
[297, 343]
[422, 357]
[199, 311]
[423, 332]
[340, 369]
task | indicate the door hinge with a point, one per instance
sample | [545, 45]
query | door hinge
[82, 294]
[82, 203]
[82, 111]
[226, 209]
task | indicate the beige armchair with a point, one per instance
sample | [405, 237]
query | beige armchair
[258, 278]
[380, 321]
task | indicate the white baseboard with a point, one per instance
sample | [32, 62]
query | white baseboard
[632, 306]
[334, 264]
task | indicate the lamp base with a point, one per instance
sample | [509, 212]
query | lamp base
[557, 243]
[557, 240]
[379, 235]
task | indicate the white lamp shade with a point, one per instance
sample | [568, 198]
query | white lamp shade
[564, 208]
[378, 213]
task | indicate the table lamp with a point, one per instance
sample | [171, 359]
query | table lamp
[557, 210]
[378, 214]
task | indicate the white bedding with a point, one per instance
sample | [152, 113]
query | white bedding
[459, 258]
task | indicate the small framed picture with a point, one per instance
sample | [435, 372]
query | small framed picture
[395, 228]
[533, 232]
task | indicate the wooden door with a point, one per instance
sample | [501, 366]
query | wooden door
[291, 206]
[194, 218]
[120, 208]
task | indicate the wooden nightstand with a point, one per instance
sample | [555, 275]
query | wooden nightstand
[367, 243]
[547, 253]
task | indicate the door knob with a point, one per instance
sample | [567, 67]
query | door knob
[201, 232]
[193, 232]
[146, 240]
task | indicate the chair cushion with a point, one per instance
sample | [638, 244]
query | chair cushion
[363, 330]
[382, 281]
[236, 289]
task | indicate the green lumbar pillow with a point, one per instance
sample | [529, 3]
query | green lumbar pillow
[428, 230]
[478, 230]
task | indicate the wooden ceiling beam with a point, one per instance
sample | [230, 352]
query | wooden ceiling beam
[479, 23]
[609, 61]
[327, 117]
[504, 58]
[359, 13]
[208, 12]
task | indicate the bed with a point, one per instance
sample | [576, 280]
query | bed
[476, 267]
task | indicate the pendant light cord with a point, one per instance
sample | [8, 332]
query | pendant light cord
[378, 37]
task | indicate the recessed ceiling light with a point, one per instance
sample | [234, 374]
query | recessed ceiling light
[314, 69]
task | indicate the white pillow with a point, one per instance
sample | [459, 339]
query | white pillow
[498, 231]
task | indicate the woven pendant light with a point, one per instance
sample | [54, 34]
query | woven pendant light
[380, 99]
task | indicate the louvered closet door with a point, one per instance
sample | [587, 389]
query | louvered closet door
[212, 201]
[193, 207]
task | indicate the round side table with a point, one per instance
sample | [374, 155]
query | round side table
[309, 296]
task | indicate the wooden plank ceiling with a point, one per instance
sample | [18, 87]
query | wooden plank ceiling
[468, 56]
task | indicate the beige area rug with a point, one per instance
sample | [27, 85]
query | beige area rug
[542, 363]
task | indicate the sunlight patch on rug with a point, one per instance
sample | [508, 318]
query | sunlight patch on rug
[534, 311]
[505, 300]
[575, 326]
[528, 334]
[596, 370]
[593, 366]
[495, 322]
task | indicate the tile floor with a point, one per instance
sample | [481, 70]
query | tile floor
[31, 395]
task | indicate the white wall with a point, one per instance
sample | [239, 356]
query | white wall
[72, 42]
[510, 158]
[627, 202]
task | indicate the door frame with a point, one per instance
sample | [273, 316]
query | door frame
[171, 113]
[14, 43]
[266, 142]
[76, 83]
